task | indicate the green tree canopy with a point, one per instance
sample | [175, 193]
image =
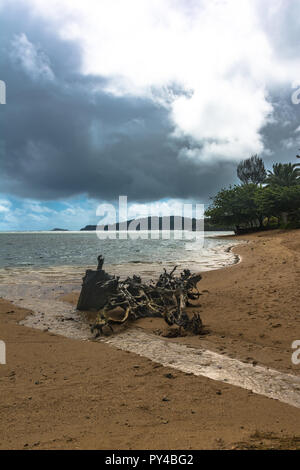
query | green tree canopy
[283, 174]
[252, 170]
[236, 206]
[251, 205]
[276, 200]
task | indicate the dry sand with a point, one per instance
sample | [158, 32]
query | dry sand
[58, 393]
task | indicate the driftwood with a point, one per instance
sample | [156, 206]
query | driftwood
[166, 298]
[94, 293]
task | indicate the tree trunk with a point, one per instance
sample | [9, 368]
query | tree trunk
[284, 217]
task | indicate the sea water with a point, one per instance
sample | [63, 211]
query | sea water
[36, 250]
[37, 269]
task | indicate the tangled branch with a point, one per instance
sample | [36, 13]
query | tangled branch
[166, 298]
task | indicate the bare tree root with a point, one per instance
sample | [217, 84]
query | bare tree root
[167, 298]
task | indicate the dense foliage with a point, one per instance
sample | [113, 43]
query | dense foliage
[283, 174]
[251, 170]
[259, 202]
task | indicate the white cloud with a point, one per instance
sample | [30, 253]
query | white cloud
[38, 208]
[73, 215]
[159, 208]
[137, 210]
[4, 208]
[4, 205]
[33, 215]
[33, 60]
[223, 52]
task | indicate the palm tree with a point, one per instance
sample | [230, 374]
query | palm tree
[284, 174]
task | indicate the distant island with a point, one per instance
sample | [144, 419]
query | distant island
[158, 223]
[59, 230]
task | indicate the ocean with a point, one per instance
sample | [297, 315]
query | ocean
[37, 269]
[35, 250]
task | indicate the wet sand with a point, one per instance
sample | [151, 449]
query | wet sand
[63, 393]
[251, 310]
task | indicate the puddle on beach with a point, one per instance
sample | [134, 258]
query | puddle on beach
[40, 290]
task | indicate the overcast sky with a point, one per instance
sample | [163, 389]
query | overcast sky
[154, 99]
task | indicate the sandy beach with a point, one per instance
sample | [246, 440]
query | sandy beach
[59, 393]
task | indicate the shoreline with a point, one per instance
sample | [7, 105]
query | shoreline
[44, 291]
[59, 395]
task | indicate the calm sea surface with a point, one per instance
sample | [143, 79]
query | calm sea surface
[37, 269]
[46, 249]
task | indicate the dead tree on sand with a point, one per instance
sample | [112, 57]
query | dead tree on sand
[166, 298]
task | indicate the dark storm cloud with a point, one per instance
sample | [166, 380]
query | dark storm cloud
[282, 134]
[62, 135]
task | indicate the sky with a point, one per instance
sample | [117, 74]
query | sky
[157, 100]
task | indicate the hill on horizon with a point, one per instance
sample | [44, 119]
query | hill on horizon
[173, 222]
